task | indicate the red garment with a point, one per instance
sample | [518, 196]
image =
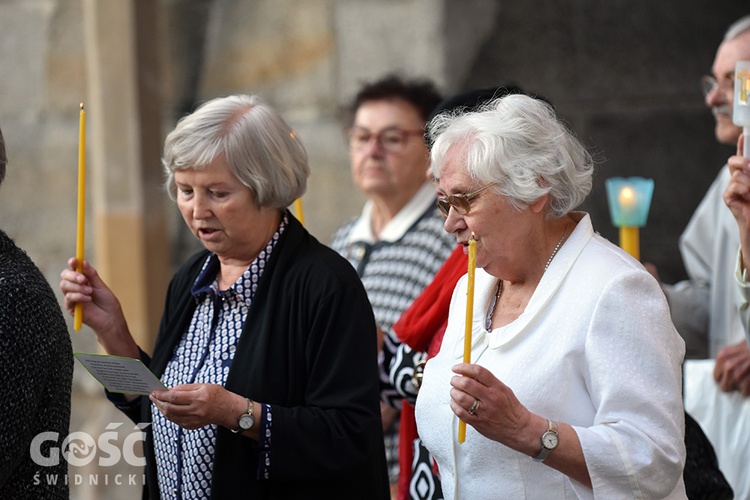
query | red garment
[421, 327]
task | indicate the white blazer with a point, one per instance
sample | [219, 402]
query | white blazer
[595, 348]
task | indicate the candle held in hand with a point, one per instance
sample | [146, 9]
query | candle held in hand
[78, 312]
[470, 298]
[469, 319]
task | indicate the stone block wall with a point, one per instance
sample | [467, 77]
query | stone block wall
[624, 74]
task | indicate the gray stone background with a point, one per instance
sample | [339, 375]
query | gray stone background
[623, 74]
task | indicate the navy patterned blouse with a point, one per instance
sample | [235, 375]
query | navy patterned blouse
[204, 355]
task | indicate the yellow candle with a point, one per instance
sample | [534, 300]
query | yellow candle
[298, 209]
[78, 312]
[629, 241]
[469, 319]
[629, 235]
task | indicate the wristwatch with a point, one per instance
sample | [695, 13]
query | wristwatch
[246, 420]
[549, 441]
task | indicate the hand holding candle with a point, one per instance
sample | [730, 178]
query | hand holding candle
[78, 312]
[469, 319]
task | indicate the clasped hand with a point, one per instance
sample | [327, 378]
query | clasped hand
[193, 406]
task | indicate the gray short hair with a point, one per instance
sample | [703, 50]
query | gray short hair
[519, 143]
[737, 28]
[260, 149]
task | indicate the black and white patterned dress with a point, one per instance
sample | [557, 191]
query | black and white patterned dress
[394, 270]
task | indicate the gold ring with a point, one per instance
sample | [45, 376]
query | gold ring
[474, 407]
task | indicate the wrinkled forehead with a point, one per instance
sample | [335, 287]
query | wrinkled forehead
[453, 175]
[450, 151]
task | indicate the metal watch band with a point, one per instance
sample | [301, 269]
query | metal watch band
[551, 429]
[249, 411]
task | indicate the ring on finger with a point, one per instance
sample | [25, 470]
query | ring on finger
[474, 407]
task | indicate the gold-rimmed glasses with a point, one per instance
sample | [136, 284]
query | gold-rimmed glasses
[461, 203]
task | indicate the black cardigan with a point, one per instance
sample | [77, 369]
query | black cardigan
[308, 348]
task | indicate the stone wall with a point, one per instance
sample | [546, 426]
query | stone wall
[624, 74]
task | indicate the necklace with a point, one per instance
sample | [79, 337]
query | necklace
[488, 320]
[557, 247]
[499, 289]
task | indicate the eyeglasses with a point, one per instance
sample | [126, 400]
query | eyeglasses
[392, 139]
[709, 84]
[461, 203]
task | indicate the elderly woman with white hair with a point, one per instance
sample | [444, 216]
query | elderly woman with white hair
[273, 388]
[574, 385]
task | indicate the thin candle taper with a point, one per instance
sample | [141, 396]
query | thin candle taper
[78, 312]
[298, 209]
[469, 319]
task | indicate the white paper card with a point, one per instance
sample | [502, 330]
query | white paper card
[119, 374]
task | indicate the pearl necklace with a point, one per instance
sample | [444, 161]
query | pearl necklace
[499, 289]
[557, 247]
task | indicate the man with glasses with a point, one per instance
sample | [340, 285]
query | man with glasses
[397, 243]
[704, 307]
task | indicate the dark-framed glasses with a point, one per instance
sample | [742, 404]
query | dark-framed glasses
[461, 203]
[709, 84]
[392, 139]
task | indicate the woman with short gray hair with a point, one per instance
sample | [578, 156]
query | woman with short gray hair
[267, 341]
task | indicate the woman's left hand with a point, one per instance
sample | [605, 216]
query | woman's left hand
[193, 406]
[498, 415]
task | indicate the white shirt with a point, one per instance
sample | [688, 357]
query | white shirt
[704, 307]
[595, 348]
[395, 229]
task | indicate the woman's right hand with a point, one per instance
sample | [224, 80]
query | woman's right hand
[100, 307]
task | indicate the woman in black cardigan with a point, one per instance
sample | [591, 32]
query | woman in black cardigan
[267, 340]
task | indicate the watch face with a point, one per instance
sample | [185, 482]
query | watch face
[549, 440]
[246, 421]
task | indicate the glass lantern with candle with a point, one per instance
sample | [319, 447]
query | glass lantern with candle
[629, 202]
